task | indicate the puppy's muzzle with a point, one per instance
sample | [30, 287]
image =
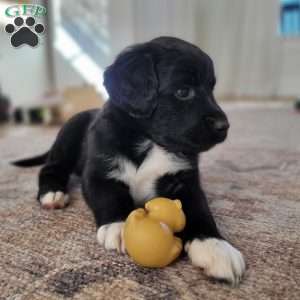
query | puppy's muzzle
[217, 125]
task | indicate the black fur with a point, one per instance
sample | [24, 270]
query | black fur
[142, 83]
[35, 161]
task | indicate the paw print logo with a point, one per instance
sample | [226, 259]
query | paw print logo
[22, 34]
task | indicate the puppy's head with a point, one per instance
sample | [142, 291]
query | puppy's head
[167, 86]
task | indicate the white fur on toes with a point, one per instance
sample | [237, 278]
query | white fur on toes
[53, 200]
[218, 258]
[111, 236]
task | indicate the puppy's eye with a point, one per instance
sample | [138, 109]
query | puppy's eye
[185, 93]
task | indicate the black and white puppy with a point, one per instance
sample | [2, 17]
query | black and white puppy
[144, 143]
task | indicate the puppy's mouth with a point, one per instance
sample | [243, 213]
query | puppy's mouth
[193, 147]
[219, 137]
[192, 142]
[200, 143]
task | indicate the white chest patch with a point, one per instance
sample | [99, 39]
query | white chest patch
[141, 180]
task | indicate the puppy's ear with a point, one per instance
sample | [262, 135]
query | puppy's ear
[132, 84]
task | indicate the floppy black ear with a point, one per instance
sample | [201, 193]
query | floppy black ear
[131, 82]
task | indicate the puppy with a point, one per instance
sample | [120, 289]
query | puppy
[144, 143]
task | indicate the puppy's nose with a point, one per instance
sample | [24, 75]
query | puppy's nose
[217, 124]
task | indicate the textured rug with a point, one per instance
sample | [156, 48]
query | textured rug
[253, 185]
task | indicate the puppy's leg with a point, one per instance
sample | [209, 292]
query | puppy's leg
[53, 180]
[111, 203]
[54, 176]
[204, 244]
[62, 159]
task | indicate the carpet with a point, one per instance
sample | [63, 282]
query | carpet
[253, 185]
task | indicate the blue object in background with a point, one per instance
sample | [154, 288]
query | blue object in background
[290, 18]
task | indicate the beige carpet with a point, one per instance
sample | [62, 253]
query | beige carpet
[253, 183]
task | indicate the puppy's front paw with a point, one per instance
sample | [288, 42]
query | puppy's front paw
[111, 236]
[54, 200]
[218, 258]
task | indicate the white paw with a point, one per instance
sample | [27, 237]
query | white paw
[111, 236]
[53, 200]
[218, 258]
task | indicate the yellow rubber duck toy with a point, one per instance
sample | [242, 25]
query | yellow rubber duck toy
[149, 233]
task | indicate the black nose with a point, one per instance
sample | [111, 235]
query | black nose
[217, 124]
